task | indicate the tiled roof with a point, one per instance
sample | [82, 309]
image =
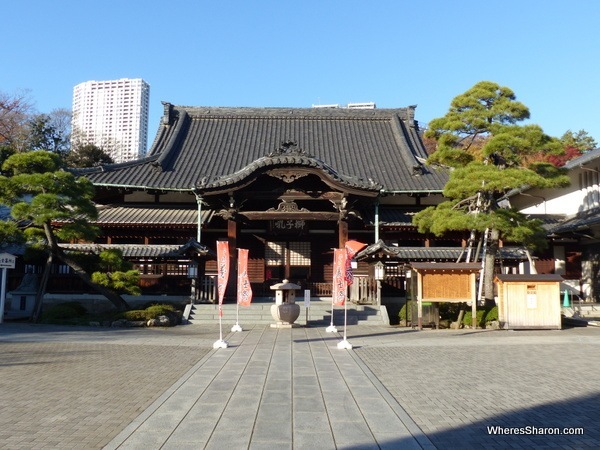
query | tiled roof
[391, 216]
[580, 222]
[549, 221]
[140, 250]
[150, 215]
[129, 250]
[430, 253]
[587, 157]
[529, 277]
[205, 148]
[448, 266]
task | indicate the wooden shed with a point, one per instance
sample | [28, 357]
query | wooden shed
[445, 282]
[529, 301]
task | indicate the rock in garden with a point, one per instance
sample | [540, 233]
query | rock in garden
[121, 323]
[163, 321]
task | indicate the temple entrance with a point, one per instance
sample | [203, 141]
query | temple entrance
[288, 260]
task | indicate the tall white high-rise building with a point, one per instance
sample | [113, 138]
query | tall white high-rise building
[113, 115]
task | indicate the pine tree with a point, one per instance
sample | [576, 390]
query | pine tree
[480, 139]
[41, 194]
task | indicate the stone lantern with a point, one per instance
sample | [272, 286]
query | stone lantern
[285, 310]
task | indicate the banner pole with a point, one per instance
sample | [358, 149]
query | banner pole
[241, 272]
[3, 294]
[331, 328]
[344, 344]
[223, 276]
[345, 317]
[237, 326]
[220, 327]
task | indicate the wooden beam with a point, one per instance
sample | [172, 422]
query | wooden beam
[343, 233]
[310, 215]
[232, 232]
[292, 195]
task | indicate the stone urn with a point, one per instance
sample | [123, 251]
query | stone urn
[285, 311]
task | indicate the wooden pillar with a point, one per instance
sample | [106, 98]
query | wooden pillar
[343, 233]
[419, 301]
[472, 282]
[287, 269]
[232, 232]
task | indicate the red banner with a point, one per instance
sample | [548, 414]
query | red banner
[340, 257]
[244, 290]
[352, 248]
[222, 271]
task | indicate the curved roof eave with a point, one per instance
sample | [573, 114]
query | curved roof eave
[196, 148]
[290, 160]
[412, 191]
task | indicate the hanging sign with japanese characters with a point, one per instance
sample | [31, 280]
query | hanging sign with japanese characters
[7, 261]
[282, 226]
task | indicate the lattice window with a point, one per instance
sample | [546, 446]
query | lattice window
[275, 253]
[299, 253]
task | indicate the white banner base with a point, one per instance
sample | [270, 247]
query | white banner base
[344, 345]
[220, 344]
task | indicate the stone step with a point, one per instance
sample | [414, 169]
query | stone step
[591, 310]
[260, 313]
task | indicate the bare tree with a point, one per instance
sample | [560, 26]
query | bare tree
[50, 132]
[14, 114]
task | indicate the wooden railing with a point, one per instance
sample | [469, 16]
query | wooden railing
[207, 291]
[363, 290]
[175, 281]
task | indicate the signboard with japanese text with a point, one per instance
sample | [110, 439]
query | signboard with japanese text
[288, 226]
[7, 261]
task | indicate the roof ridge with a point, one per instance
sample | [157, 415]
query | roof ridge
[110, 167]
[197, 112]
[289, 157]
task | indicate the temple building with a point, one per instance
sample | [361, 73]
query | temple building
[289, 184]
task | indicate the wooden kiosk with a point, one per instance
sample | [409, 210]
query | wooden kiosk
[529, 301]
[444, 282]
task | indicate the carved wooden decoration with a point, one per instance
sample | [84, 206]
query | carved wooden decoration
[288, 176]
[288, 207]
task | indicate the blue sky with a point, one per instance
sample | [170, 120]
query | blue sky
[298, 53]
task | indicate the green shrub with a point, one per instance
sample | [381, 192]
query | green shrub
[483, 316]
[63, 313]
[449, 310]
[77, 307]
[404, 313]
[468, 318]
[152, 312]
[134, 315]
[492, 314]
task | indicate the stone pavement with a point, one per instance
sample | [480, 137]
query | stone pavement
[275, 389]
[69, 387]
[66, 387]
[456, 384]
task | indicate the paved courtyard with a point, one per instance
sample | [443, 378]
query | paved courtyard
[65, 387]
[455, 384]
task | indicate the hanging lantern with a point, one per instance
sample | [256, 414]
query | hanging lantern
[379, 271]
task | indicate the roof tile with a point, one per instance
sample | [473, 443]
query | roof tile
[202, 146]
